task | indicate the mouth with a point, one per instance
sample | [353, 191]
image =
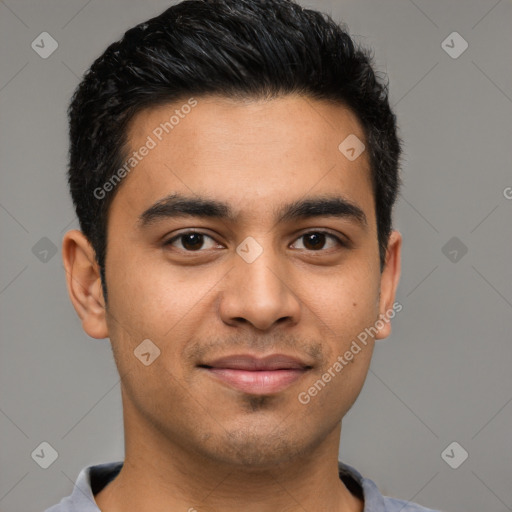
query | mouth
[258, 376]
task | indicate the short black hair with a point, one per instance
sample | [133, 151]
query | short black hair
[259, 49]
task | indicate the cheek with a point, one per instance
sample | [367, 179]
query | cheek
[165, 304]
[147, 298]
[345, 306]
[334, 389]
[345, 299]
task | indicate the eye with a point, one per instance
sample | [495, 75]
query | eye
[316, 240]
[194, 241]
[191, 241]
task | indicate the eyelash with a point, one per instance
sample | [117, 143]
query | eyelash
[320, 232]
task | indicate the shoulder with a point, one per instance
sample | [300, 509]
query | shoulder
[90, 481]
[395, 505]
[374, 501]
[65, 505]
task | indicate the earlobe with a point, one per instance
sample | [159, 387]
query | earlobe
[84, 283]
[389, 282]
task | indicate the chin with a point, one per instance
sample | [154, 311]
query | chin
[258, 448]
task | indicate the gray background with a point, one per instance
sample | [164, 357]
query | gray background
[444, 374]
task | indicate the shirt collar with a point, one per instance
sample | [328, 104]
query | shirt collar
[92, 479]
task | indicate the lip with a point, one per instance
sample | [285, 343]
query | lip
[254, 375]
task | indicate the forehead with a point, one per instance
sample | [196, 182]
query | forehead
[251, 154]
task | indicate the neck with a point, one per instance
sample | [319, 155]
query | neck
[159, 476]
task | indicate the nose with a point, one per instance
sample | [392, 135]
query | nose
[259, 294]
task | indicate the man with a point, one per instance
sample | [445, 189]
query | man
[233, 165]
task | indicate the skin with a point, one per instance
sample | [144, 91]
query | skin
[192, 442]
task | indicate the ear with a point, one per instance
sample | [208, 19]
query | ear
[84, 283]
[389, 282]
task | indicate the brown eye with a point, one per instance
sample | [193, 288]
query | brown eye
[191, 241]
[317, 240]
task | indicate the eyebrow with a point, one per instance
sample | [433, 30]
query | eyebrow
[177, 205]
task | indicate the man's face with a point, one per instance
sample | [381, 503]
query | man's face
[244, 286]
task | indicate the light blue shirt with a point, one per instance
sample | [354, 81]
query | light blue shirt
[92, 479]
